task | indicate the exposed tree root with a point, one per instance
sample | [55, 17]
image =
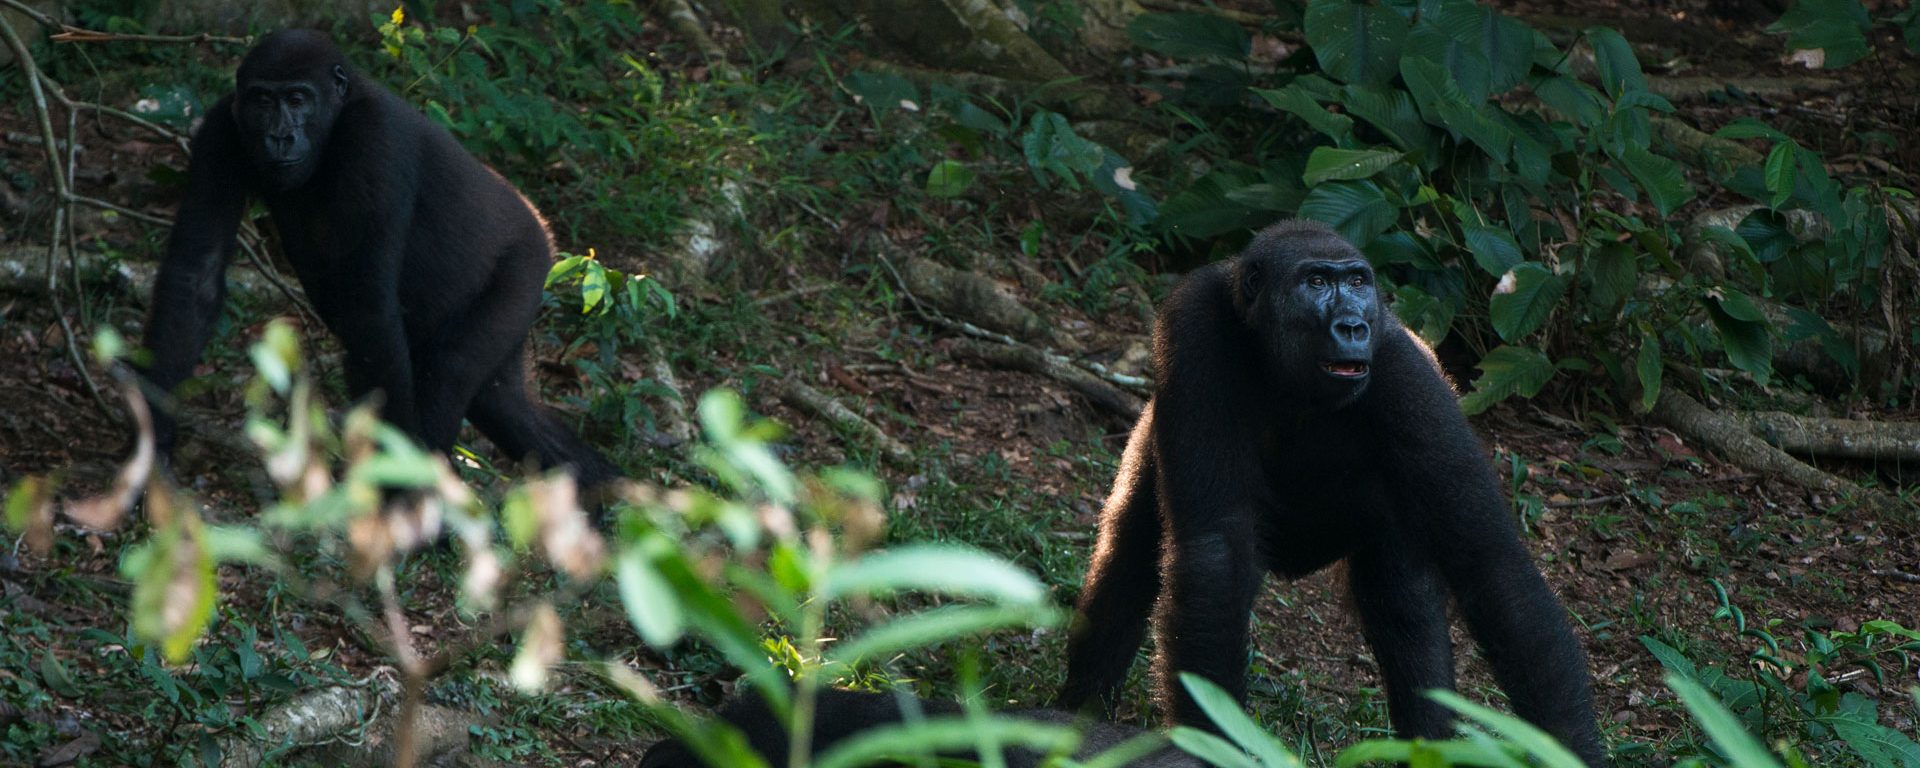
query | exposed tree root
[1837, 438]
[819, 404]
[1728, 436]
[972, 296]
[672, 416]
[1031, 360]
[343, 714]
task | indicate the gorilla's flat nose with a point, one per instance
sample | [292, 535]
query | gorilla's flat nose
[1351, 330]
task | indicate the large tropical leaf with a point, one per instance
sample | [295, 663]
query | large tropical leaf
[1520, 307]
[1189, 35]
[1357, 209]
[1505, 372]
[1357, 44]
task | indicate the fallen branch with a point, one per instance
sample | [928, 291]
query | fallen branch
[1728, 436]
[1838, 438]
[820, 405]
[311, 718]
[1030, 360]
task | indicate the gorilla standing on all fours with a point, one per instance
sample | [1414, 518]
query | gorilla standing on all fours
[424, 262]
[1296, 423]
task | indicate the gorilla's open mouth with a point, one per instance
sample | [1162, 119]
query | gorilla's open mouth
[1345, 369]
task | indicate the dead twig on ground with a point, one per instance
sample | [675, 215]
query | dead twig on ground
[817, 403]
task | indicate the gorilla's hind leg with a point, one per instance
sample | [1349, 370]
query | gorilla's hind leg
[1121, 584]
[523, 428]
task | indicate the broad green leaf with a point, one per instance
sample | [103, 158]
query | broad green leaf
[1394, 113]
[1463, 61]
[1535, 291]
[1130, 752]
[54, 675]
[1052, 147]
[1675, 662]
[1619, 67]
[949, 178]
[934, 735]
[562, 268]
[1767, 234]
[938, 625]
[1426, 316]
[1909, 23]
[1443, 104]
[1357, 44]
[1804, 324]
[1741, 306]
[1189, 35]
[1234, 722]
[1296, 101]
[1648, 368]
[238, 544]
[1740, 747]
[1205, 210]
[1748, 343]
[651, 604]
[1876, 743]
[1434, 753]
[1507, 371]
[1330, 164]
[1749, 128]
[1114, 178]
[1666, 185]
[593, 286]
[1542, 747]
[1781, 172]
[1214, 750]
[1358, 209]
[1614, 270]
[1493, 248]
[1573, 99]
[935, 568]
[1835, 27]
[1506, 44]
[29, 496]
[882, 91]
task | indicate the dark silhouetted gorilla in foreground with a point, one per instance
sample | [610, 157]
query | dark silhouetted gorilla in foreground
[1294, 424]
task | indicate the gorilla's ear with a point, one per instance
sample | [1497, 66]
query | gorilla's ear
[340, 80]
[1247, 279]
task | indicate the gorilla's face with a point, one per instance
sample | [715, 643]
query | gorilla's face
[284, 124]
[1315, 305]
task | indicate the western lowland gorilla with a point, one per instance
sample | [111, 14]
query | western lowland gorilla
[424, 262]
[1295, 423]
[840, 714]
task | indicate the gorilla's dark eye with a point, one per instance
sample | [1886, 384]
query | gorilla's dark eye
[1357, 280]
[294, 100]
[1316, 281]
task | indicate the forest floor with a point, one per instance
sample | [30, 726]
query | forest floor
[1633, 526]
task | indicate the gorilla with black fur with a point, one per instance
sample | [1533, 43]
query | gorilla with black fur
[840, 714]
[426, 263]
[1296, 423]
